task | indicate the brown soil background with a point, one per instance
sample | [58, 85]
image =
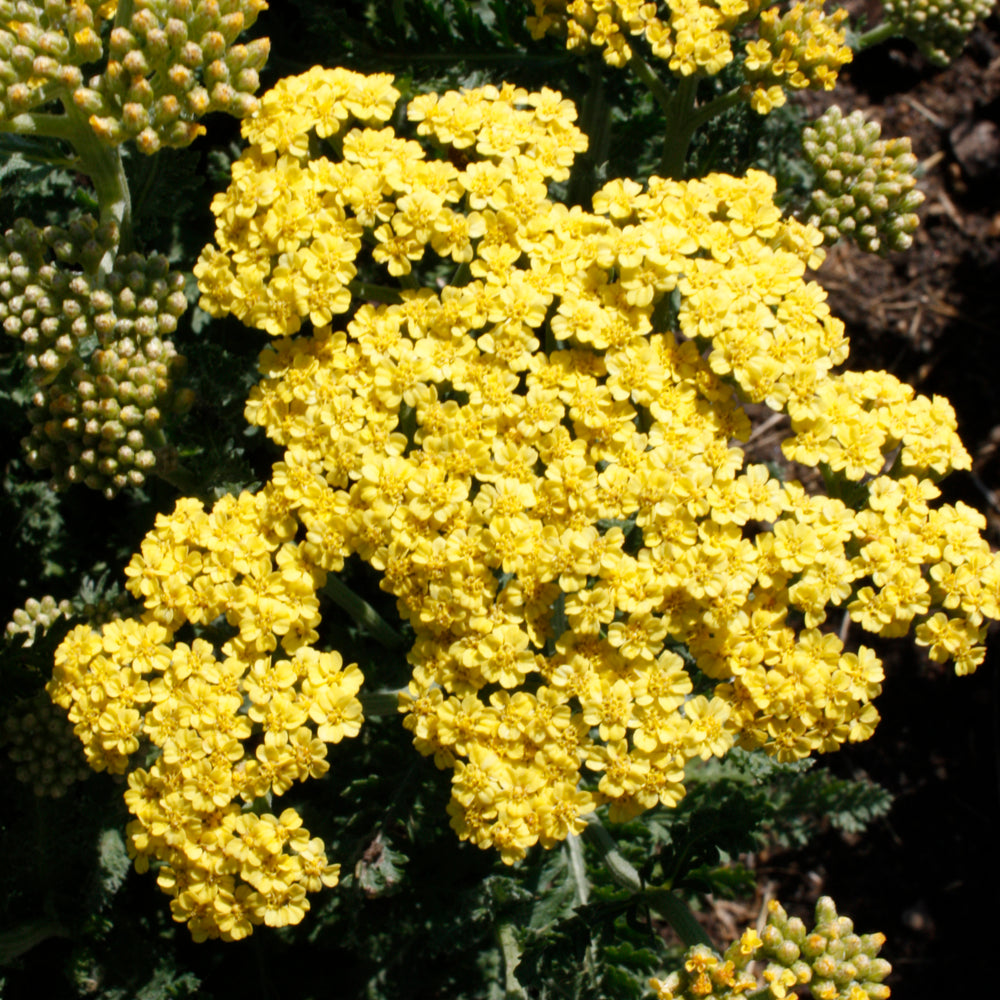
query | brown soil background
[928, 876]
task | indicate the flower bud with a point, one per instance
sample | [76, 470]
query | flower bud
[939, 28]
[177, 33]
[91, 424]
[870, 194]
[45, 67]
[136, 63]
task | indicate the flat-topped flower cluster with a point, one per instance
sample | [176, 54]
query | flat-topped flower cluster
[532, 430]
[229, 726]
[801, 47]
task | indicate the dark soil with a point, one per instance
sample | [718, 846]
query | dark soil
[928, 877]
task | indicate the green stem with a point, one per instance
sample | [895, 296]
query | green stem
[124, 13]
[379, 703]
[679, 129]
[511, 952]
[581, 885]
[374, 293]
[678, 914]
[576, 863]
[42, 126]
[595, 121]
[664, 901]
[363, 613]
[653, 83]
[103, 165]
[877, 35]
[100, 162]
[683, 119]
[716, 106]
[620, 869]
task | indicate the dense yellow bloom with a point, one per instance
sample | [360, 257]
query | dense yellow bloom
[548, 480]
[798, 48]
[205, 709]
[693, 36]
[804, 47]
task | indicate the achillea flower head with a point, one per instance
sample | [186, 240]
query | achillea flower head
[225, 725]
[692, 36]
[828, 962]
[165, 67]
[104, 370]
[547, 477]
[499, 517]
[939, 28]
[802, 48]
[866, 186]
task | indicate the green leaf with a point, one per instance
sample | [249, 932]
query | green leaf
[380, 870]
[114, 862]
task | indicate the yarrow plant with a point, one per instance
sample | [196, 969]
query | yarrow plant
[541, 458]
[517, 503]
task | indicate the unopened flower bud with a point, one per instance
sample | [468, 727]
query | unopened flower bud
[939, 28]
[870, 197]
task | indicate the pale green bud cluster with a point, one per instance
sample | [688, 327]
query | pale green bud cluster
[41, 744]
[866, 185]
[938, 28]
[830, 961]
[104, 371]
[42, 47]
[36, 615]
[167, 63]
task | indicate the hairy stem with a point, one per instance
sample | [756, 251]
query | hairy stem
[103, 165]
[38, 125]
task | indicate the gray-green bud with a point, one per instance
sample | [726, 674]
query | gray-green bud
[865, 185]
[90, 402]
[938, 28]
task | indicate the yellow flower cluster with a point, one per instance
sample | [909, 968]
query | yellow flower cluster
[290, 228]
[539, 456]
[545, 473]
[693, 36]
[230, 725]
[803, 48]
